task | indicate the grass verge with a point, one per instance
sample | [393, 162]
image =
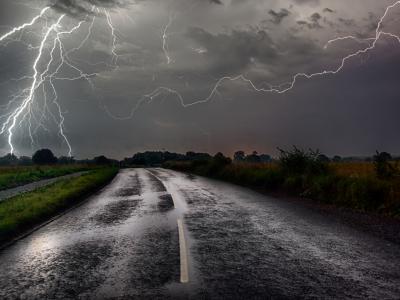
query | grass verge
[24, 211]
[15, 176]
[349, 185]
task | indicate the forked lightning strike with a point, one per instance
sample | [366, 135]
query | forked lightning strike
[279, 89]
[26, 103]
[373, 41]
[23, 26]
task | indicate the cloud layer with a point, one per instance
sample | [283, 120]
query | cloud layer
[267, 41]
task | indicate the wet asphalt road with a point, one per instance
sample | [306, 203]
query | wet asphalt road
[123, 244]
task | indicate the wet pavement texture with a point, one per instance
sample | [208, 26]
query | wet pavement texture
[123, 244]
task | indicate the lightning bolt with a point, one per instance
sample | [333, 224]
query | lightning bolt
[24, 106]
[29, 109]
[23, 26]
[114, 38]
[11, 121]
[278, 89]
[165, 37]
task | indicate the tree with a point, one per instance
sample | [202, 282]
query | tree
[221, 160]
[65, 160]
[300, 162]
[265, 158]
[253, 158]
[44, 157]
[239, 156]
[323, 158]
[101, 160]
[9, 160]
[25, 160]
[383, 168]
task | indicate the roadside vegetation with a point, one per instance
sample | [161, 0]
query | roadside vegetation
[16, 171]
[19, 175]
[370, 186]
[26, 210]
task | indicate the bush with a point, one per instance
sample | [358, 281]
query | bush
[309, 174]
[383, 168]
[368, 194]
[298, 161]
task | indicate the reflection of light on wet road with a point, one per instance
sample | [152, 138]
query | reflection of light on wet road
[179, 205]
[43, 243]
[151, 230]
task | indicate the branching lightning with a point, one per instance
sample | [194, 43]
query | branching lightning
[23, 26]
[115, 57]
[38, 101]
[278, 89]
[32, 104]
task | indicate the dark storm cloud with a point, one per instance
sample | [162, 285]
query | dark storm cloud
[278, 16]
[313, 21]
[353, 112]
[80, 7]
[328, 10]
[347, 22]
[313, 2]
[216, 1]
[233, 52]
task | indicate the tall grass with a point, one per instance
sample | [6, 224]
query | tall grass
[345, 184]
[14, 176]
[23, 211]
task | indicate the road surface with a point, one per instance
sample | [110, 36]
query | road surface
[231, 243]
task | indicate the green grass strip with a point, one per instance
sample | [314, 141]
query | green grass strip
[21, 212]
[14, 176]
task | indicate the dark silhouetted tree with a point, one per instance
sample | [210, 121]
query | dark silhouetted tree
[323, 158]
[336, 158]
[265, 158]
[66, 160]
[101, 160]
[383, 168]
[9, 160]
[44, 157]
[253, 158]
[239, 156]
[25, 160]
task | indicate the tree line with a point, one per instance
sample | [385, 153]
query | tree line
[157, 158]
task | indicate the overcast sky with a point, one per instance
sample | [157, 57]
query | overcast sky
[352, 113]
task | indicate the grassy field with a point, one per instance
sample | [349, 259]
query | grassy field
[20, 213]
[353, 185]
[14, 176]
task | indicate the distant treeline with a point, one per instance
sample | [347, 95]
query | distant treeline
[157, 158]
[46, 157]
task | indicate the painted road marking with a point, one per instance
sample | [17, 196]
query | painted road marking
[183, 253]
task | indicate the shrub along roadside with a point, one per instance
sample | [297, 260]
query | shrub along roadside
[302, 173]
[24, 211]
